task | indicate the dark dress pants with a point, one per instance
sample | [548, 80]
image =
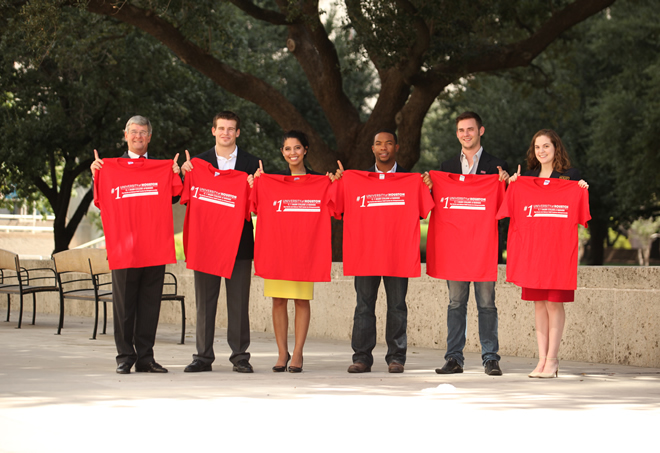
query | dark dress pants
[136, 294]
[364, 321]
[207, 291]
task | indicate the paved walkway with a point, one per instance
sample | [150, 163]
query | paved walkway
[61, 393]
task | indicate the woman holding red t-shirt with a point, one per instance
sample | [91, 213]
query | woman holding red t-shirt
[294, 148]
[547, 158]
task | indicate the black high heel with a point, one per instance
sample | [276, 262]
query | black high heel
[295, 369]
[281, 369]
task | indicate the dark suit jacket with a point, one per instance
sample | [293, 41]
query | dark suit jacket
[287, 172]
[487, 165]
[572, 174]
[399, 169]
[248, 164]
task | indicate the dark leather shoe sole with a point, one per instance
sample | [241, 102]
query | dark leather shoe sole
[242, 369]
[197, 368]
[395, 367]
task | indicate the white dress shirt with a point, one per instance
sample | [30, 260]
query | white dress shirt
[227, 163]
[465, 165]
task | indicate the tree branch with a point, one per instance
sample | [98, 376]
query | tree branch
[241, 84]
[49, 192]
[422, 41]
[317, 56]
[521, 53]
[354, 11]
[266, 15]
[80, 212]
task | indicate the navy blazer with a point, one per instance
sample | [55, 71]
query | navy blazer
[572, 174]
[399, 169]
[287, 172]
[248, 164]
[487, 165]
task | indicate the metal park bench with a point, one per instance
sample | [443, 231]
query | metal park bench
[15, 279]
[96, 284]
[79, 274]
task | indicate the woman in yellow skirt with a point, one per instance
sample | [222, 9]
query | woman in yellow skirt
[294, 148]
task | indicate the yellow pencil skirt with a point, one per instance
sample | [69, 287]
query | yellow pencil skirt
[287, 289]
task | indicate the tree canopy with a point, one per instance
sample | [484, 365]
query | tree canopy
[416, 48]
[598, 88]
[85, 66]
[60, 102]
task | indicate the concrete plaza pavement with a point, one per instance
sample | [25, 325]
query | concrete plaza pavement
[61, 393]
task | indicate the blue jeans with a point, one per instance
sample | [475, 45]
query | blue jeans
[484, 293]
[364, 321]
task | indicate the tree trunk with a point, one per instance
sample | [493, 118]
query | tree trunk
[63, 232]
[596, 250]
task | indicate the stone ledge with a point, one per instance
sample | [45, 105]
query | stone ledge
[615, 318]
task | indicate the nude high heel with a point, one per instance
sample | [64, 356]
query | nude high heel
[537, 373]
[551, 375]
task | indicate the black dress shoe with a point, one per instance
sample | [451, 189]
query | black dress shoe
[196, 366]
[151, 367]
[451, 366]
[124, 368]
[243, 366]
[492, 368]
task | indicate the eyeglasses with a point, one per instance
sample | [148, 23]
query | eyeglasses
[139, 133]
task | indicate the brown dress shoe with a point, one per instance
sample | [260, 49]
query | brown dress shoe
[395, 367]
[359, 367]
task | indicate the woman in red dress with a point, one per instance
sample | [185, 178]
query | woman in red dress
[547, 158]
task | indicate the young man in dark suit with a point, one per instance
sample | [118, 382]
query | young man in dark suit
[471, 160]
[363, 339]
[136, 291]
[226, 155]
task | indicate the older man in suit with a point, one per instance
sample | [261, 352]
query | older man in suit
[475, 161]
[136, 291]
[225, 155]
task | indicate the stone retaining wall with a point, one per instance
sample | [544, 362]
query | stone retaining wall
[615, 318]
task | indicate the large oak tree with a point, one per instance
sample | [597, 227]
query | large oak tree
[414, 48]
[417, 47]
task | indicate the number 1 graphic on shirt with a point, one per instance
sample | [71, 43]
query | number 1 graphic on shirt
[530, 210]
[195, 189]
[446, 200]
[278, 203]
[358, 199]
[117, 190]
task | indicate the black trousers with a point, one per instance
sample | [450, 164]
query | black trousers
[207, 291]
[136, 294]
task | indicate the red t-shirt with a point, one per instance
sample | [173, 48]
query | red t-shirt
[218, 206]
[135, 199]
[462, 239]
[381, 222]
[293, 239]
[542, 249]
